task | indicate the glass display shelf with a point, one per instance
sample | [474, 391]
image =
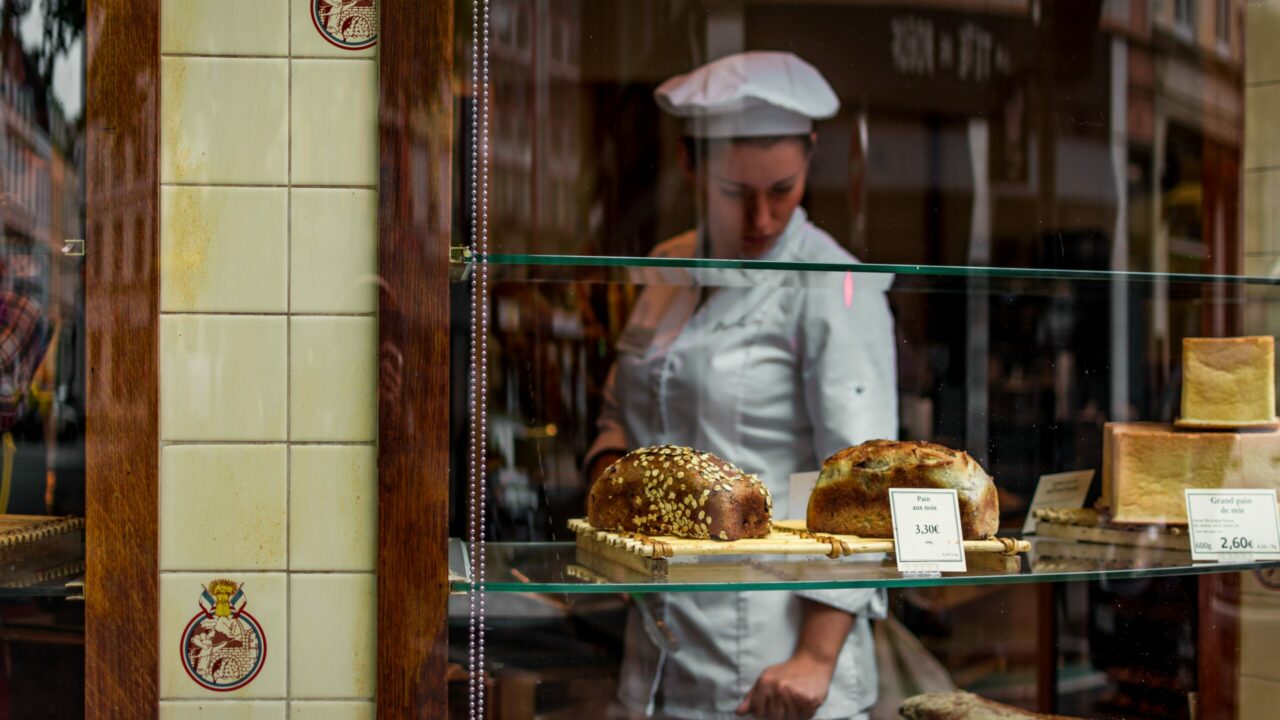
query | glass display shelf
[560, 567]
[512, 260]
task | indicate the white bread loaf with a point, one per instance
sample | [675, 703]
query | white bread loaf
[1228, 382]
[1146, 467]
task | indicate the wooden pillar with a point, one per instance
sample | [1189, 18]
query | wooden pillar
[122, 452]
[414, 217]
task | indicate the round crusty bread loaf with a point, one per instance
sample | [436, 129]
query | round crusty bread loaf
[851, 496]
[672, 490]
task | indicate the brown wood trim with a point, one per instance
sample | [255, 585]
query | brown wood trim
[122, 308]
[1218, 646]
[1047, 595]
[414, 214]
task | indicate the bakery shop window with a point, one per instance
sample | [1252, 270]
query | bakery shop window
[1053, 196]
[954, 137]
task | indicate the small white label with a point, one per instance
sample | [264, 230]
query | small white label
[799, 488]
[926, 530]
[1233, 525]
[1062, 491]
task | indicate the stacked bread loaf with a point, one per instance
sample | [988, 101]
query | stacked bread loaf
[1225, 438]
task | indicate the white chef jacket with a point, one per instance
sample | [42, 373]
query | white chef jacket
[776, 371]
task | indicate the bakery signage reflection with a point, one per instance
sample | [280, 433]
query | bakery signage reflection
[969, 52]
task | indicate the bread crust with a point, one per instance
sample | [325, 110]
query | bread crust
[851, 496]
[673, 490]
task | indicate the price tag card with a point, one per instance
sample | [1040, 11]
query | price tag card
[799, 488]
[926, 530]
[1233, 525]
[1065, 490]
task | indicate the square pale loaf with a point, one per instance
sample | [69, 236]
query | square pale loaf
[1146, 466]
[1228, 381]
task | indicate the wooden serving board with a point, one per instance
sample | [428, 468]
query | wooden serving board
[788, 538]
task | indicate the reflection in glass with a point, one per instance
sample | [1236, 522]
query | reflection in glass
[42, 341]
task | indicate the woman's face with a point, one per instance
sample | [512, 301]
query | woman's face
[750, 190]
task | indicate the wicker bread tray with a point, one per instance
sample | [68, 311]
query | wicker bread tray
[788, 538]
[1086, 525]
[36, 549]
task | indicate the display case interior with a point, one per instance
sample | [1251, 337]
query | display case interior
[1000, 243]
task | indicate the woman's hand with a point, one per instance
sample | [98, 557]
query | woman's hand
[791, 690]
[795, 689]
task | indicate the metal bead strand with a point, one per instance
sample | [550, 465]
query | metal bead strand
[474, 667]
[482, 399]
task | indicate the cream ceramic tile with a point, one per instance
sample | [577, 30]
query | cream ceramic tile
[334, 251]
[225, 27]
[223, 506]
[333, 379]
[242, 710]
[1259, 635]
[323, 710]
[333, 647]
[1249, 583]
[1262, 54]
[1257, 699]
[1262, 265]
[224, 121]
[334, 122]
[309, 40]
[333, 508]
[264, 603]
[1262, 127]
[1261, 212]
[222, 378]
[223, 249]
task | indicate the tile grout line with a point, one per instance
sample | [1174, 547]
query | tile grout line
[160, 523]
[301, 443]
[271, 699]
[269, 186]
[207, 56]
[286, 314]
[288, 371]
[264, 572]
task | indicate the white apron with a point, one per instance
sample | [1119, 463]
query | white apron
[776, 371]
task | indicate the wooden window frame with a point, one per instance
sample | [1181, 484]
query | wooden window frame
[122, 455]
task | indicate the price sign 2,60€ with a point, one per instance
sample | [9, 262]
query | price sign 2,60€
[1233, 525]
[927, 535]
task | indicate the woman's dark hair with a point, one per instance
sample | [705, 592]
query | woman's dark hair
[697, 148]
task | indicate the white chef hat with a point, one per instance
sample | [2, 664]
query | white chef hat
[750, 94]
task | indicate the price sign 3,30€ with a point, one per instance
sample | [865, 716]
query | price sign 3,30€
[927, 535]
[1233, 525]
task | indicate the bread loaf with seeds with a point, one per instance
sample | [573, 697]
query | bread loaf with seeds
[672, 490]
[851, 496]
